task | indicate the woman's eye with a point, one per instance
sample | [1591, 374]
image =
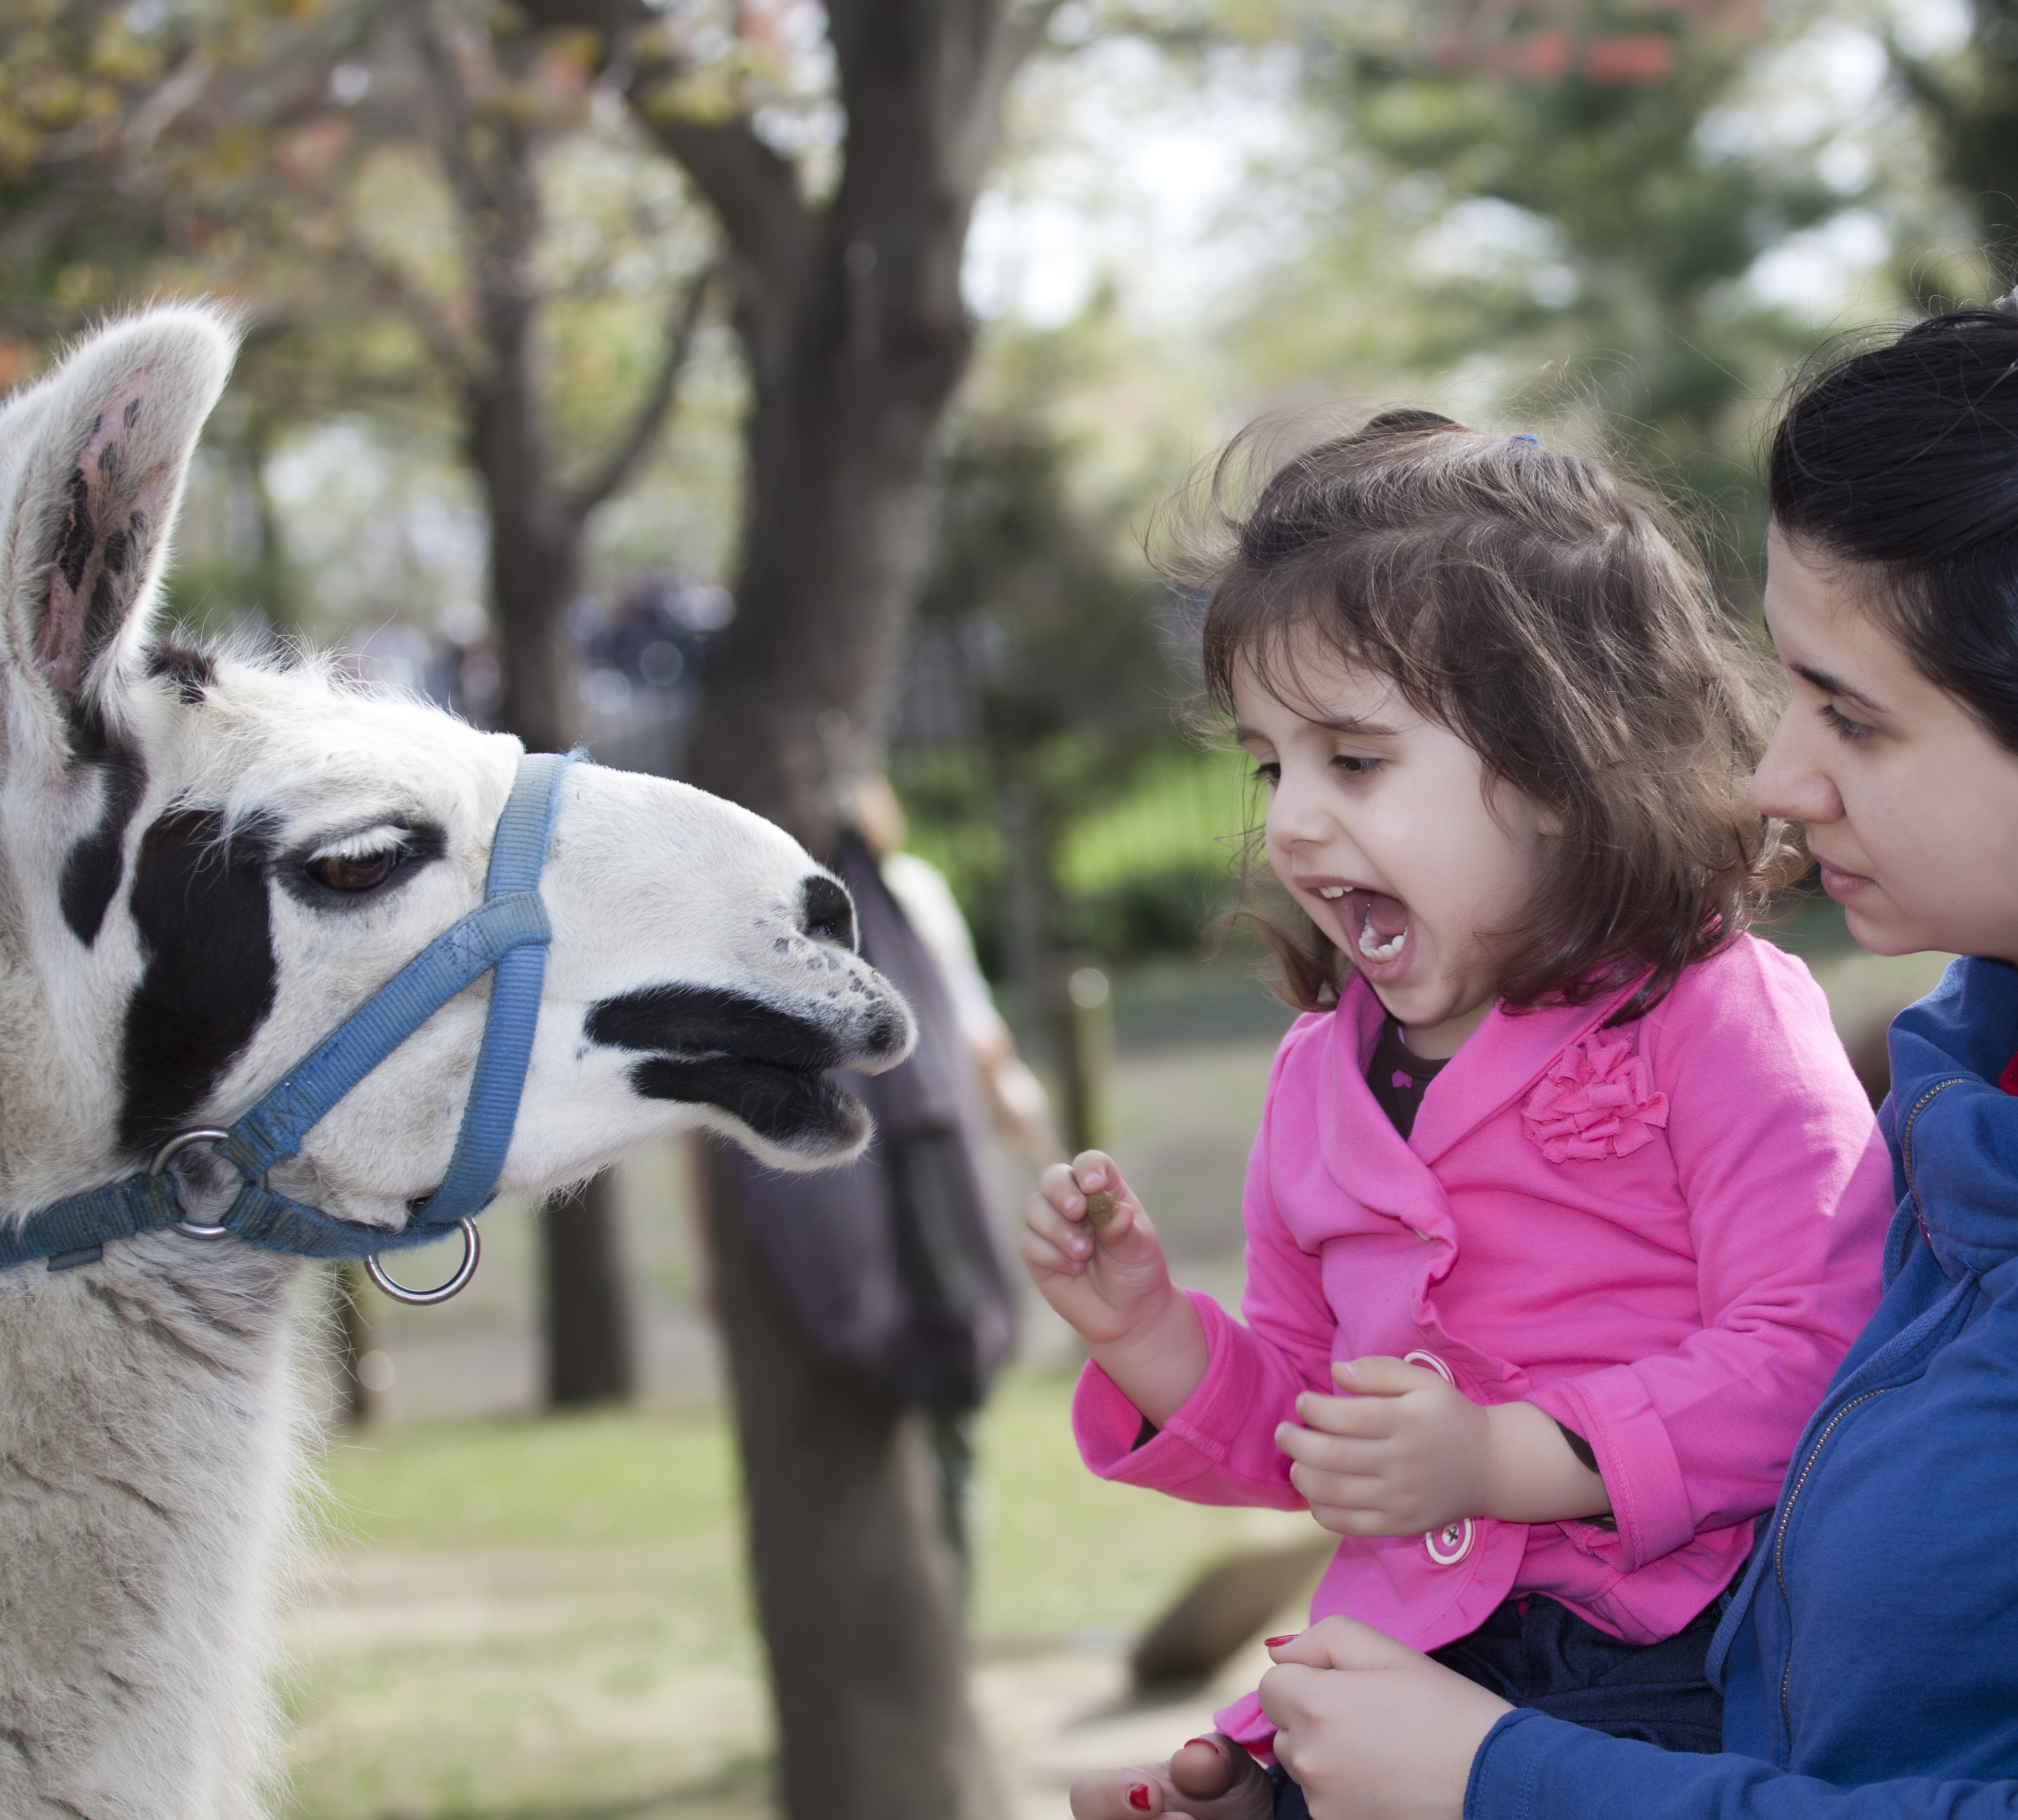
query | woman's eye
[1270, 774]
[1841, 725]
[366, 871]
[1354, 765]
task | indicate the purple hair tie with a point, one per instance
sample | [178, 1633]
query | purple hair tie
[1524, 437]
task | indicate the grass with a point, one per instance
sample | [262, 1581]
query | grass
[1177, 819]
[548, 1619]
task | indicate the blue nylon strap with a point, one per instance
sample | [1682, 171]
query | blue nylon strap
[272, 1131]
[120, 1210]
[518, 854]
[508, 933]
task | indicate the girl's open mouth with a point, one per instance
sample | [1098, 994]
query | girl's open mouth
[1376, 925]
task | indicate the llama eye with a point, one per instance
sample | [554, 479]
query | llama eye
[340, 872]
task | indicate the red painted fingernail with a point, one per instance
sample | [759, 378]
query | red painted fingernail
[1276, 1643]
[1138, 1796]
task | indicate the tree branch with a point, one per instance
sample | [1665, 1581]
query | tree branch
[1018, 36]
[753, 191]
[1021, 34]
[414, 304]
[636, 444]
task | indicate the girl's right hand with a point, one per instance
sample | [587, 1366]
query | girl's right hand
[1108, 1281]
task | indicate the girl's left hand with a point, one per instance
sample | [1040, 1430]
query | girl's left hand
[1405, 1452]
[1371, 1730]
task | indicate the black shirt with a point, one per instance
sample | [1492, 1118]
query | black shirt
[1399, 1078]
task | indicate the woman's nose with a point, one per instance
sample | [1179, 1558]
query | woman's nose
[1793, 780]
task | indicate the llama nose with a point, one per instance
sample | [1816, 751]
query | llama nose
[826, 912]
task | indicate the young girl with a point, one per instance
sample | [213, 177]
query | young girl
[1565, 1202]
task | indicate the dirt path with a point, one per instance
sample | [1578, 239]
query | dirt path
[554, 1684]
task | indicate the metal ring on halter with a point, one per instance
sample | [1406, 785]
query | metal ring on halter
[473, 1252]
[168, 1153]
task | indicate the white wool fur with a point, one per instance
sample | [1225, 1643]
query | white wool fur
[150, 1424]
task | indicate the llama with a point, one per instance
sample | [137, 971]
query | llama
[207, 864]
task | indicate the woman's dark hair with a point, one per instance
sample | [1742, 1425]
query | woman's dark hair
[1902, 462]
[1543, 611]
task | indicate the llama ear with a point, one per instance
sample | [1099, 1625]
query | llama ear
[92, 461]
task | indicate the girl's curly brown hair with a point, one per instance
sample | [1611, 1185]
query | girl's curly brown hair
[1545, 611]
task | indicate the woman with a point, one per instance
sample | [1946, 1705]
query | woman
[1869, 1655]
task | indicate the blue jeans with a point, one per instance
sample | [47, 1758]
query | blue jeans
[1545, 1656]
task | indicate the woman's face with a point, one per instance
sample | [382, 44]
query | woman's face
[1911, 808]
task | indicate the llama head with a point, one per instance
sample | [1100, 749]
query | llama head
[208, 861]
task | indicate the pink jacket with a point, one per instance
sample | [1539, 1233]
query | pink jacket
[1664, 1236]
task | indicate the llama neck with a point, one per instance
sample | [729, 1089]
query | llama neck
[149, 1431]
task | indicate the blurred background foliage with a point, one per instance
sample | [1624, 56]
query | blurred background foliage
[1620, 223]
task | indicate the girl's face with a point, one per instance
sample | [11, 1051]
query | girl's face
[1379, 825]
[1912, 808]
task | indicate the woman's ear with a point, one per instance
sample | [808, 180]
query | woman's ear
[1550, 825]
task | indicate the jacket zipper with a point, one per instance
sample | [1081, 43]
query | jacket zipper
[1906, 1148]
[1913, 1118]
[1780, 1547]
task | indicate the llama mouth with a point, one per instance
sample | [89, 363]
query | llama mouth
[795, 1110]
[766, 1068]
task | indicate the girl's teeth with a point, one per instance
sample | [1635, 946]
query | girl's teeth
[1331, 893]
[1373, 947]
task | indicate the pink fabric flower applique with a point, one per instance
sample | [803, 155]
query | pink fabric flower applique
[1597, 1099]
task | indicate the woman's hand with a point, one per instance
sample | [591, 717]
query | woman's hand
[1211, 1778]
[1371, 1730]
[1111, 1281]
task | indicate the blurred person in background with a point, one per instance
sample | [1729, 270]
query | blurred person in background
[892, 1266]
[1016, 1100]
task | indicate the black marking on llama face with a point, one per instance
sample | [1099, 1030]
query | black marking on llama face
[700, 1020]
[200, 905]
[762, 1066]
[91, 739]
[94, 867]
[189, 670]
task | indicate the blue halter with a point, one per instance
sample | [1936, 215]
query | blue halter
[508, 934]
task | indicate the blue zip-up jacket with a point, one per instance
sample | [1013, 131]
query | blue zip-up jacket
[1869, 1658]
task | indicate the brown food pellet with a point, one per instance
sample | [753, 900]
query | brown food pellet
[1099, 1208]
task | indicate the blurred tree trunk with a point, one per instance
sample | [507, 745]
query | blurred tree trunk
[489, 133]
[586, 1317]
[854, 335]
[856, 1589]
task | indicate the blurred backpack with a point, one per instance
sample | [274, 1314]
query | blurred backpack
[891, 1264]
